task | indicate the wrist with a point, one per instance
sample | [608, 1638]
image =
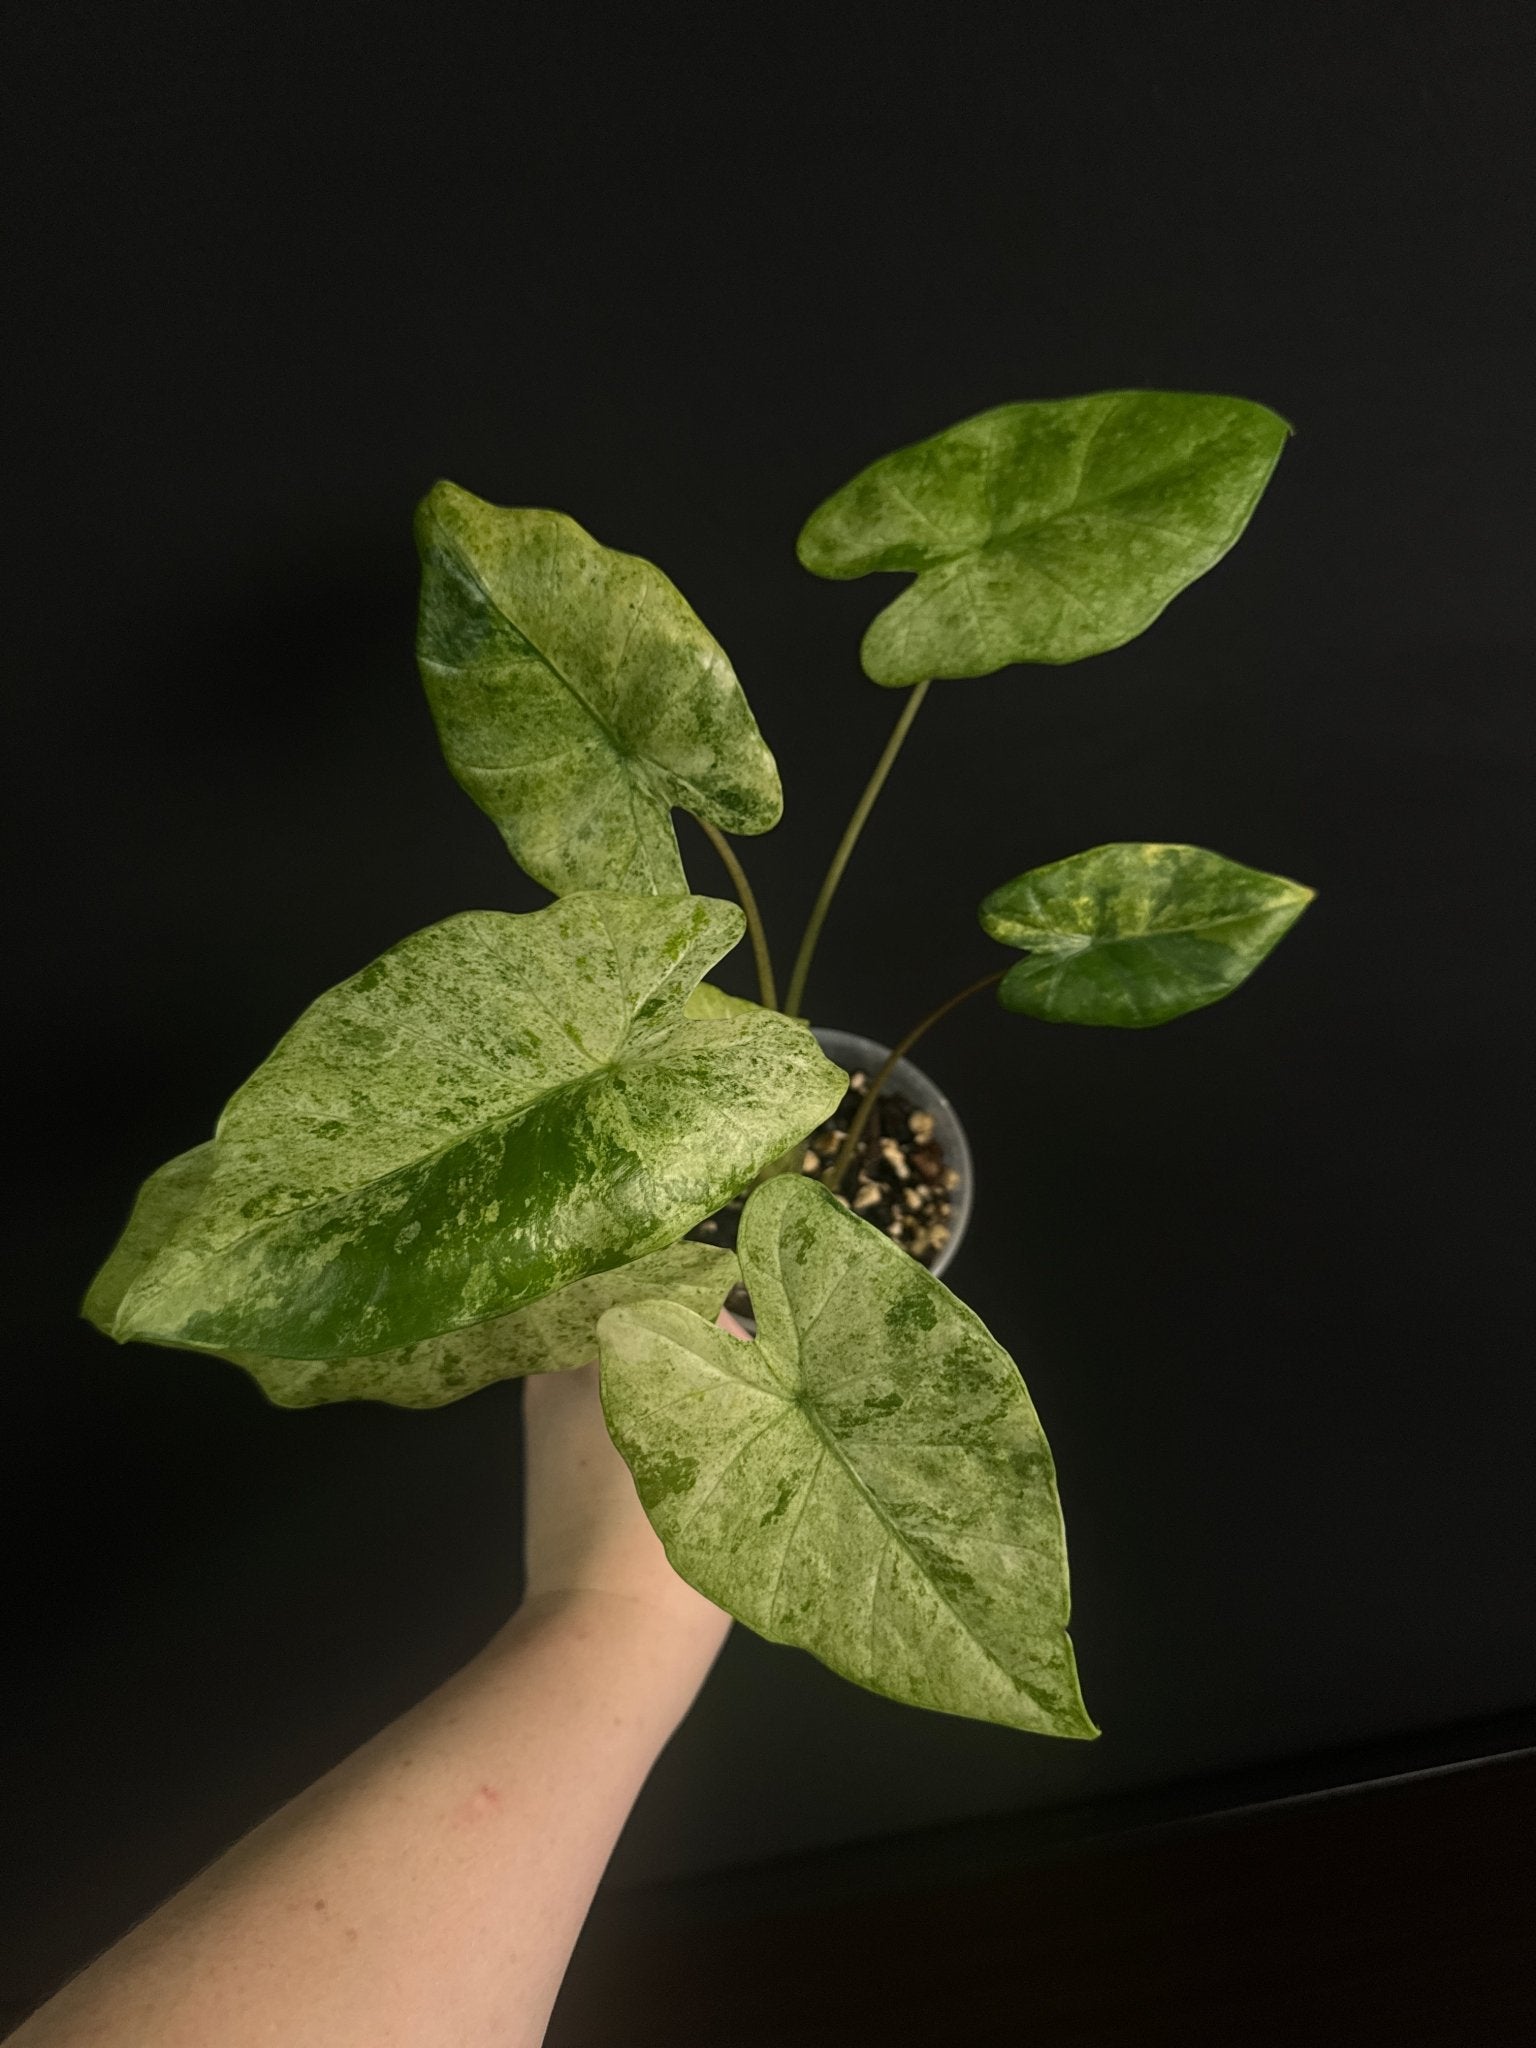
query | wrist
[611, 1620]
[652, 1655]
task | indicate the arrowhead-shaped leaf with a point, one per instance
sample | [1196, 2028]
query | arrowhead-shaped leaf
[868, 1480]
[1136, 934]
[1047, 531]
[552, 1335]
[578, 699]
[499, 1106]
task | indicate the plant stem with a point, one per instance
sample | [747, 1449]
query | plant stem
[767, 988]
[837, 1172]
[845, 847]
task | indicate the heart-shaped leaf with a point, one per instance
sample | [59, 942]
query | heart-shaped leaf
[578, 699]
[1137, 933]
[553, 1334]
[1047, 531]
[497, 1107]
[868, 1480]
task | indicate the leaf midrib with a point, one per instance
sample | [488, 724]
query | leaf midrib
[1003, 539]
[647, 1056]
[270, 1225]
[829, 1443]
[654, 770]
[1070, 944]
[566, 682]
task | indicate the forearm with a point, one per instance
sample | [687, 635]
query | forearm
[427, 1891]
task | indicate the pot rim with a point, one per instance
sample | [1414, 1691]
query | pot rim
[910, 1080]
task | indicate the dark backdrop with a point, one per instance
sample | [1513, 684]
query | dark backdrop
[271, 275]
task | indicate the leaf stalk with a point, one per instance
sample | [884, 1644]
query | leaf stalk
[767, 987]
[836, 1172]
[845, 846]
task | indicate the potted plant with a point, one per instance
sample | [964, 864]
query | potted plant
[516, 1140]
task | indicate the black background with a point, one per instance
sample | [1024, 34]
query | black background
[680, 274]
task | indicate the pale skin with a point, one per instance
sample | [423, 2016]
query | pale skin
[429, 1890]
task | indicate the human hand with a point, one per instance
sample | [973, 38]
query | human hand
[587, 1534]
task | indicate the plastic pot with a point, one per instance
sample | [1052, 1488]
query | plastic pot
[867, 1055]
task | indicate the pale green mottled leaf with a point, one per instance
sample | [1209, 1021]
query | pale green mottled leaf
[1137, 933]
[553, 1334]
[709, 1001]
[497, 1107]
[1048, 531]
[578, 698]
[868, 1480]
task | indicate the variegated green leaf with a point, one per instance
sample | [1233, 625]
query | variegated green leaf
[554, 1334]
[1046, 531]
[1137, 933]
[709, 1001]
[578, 698]
[868, 1480]
[499, 1106]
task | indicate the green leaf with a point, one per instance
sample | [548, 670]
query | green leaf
[709, 1001]
[578, 699]
[552, 1335]
[1136, 933]
[497, 1107]
[868, 1480]
[1047, 531]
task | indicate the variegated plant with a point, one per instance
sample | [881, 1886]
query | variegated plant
[481, 1155]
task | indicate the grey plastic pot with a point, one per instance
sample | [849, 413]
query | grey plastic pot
[866, 1055]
